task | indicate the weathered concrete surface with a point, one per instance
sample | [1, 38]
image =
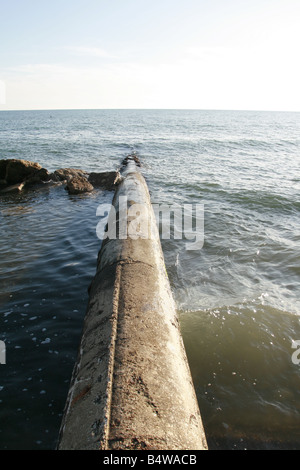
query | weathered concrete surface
[131, 386]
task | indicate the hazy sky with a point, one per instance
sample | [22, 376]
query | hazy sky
[200, 54]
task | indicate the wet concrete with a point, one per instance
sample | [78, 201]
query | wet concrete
[131, 386]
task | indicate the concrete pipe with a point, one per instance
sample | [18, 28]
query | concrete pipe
[131, 386]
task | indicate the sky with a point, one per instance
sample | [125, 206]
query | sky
[150, 54]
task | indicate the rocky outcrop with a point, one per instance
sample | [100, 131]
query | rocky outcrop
[40, 176]
[66, 174]
[16, 173]
[76, 180]
[78, 185]
[106, 180]
[3, 185]
[3, 164]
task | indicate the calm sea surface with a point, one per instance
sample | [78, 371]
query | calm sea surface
[238, 298]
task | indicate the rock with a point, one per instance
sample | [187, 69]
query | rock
[18, 171]
[14, 172]
[3, 164]
[133, 157]
[106, 180]
[39, 176]
[65, 174]
[78, 185]
[3, 184]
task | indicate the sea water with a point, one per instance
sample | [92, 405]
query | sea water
[238, 297]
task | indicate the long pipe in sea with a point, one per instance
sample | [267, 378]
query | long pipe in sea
[131, 386]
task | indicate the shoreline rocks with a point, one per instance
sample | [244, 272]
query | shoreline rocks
[16, 174]
[13, 171]
[108, 179]
[78, 185]
[65, 174]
